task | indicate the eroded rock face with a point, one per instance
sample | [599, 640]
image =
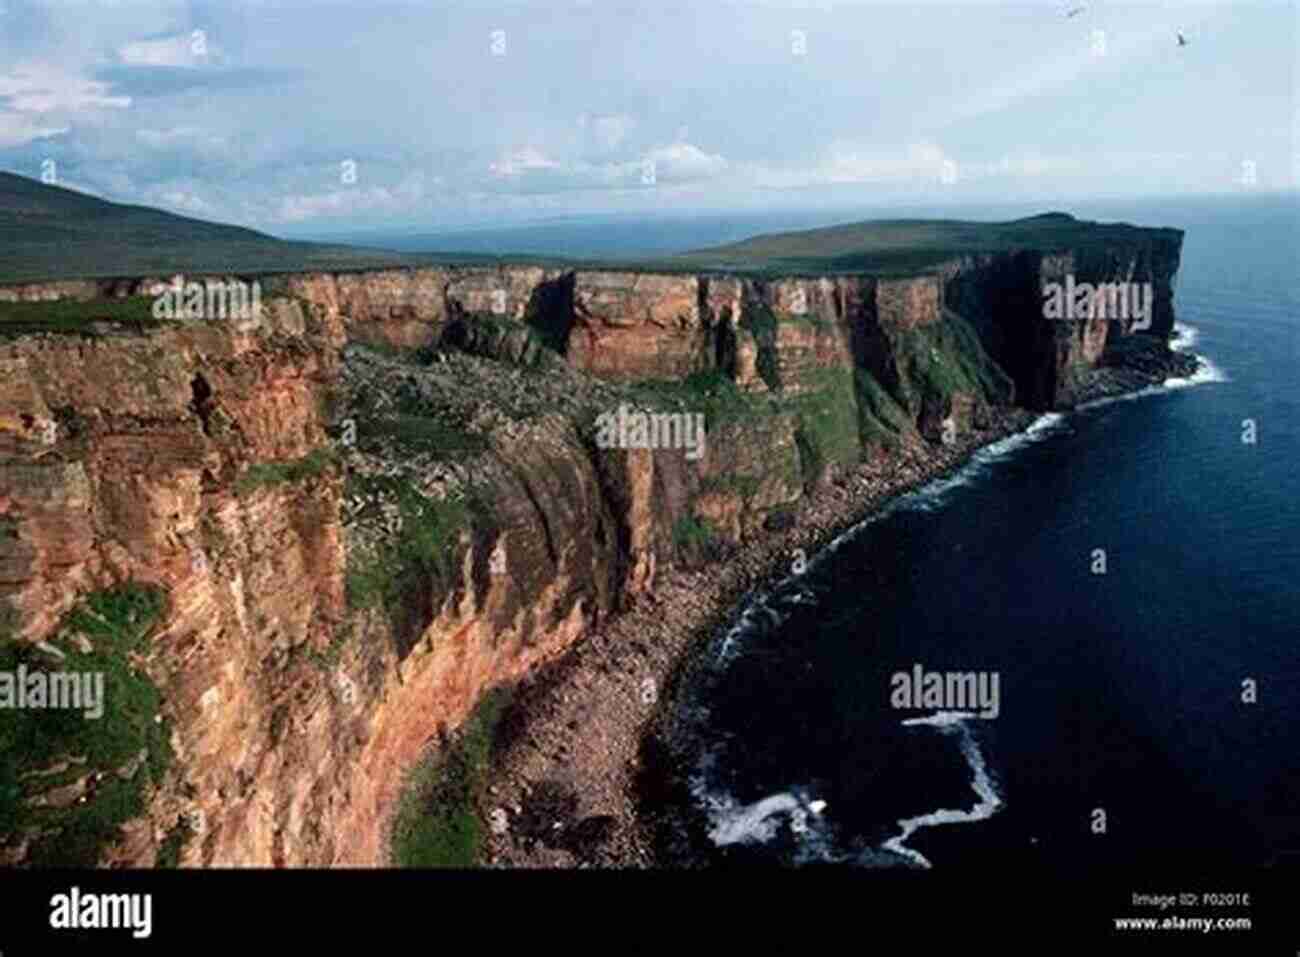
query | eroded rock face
[814, 329]
[80, 289]
[908, 303]
[505, 291]
[629, 326]
[752, 470]
[138, 485]
[397, 307]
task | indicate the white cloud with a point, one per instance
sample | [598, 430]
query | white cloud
[844, 163]
[607, 132]
[182, 50]
[294, 209]
[400, 199]
[529, 170]
[1033, 163]
[521, 161]
[186, 201]
[684, 163]
[18, 129]
[31, 90]
[191, 136]
[847, 164]
[44, 88]
[921, 164]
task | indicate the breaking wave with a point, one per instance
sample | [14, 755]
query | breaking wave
[1206, 372]
[731, 822]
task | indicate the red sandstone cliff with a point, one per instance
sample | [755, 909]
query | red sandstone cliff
[204, 458]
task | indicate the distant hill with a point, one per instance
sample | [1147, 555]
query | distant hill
[47, 232]
[908, 245]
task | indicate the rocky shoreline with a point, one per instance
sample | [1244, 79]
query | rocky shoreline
[582, 773]
[570, 781]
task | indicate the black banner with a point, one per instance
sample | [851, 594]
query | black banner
[128, 912]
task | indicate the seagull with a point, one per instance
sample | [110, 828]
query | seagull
[1182, 40]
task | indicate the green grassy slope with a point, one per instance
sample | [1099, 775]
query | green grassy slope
[47, 232]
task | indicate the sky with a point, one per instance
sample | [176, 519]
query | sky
[307, 118]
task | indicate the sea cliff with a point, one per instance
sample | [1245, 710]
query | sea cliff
[305, 546]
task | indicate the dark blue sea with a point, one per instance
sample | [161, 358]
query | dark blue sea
[1125, 729]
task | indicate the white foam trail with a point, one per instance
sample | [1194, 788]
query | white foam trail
[941, 719]
[1206, 371]
[758, 617]
[948, 722]
[805, 596]
[752, 822]
[758, 823]
[1183, 339]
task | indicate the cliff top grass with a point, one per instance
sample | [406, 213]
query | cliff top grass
[90, 318]
[51, 233]
[908, 246]
[881, 248]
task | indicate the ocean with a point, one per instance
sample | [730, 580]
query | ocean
[1129, 572]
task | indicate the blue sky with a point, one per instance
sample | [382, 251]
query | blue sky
[301, 117]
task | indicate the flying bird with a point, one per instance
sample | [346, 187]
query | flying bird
[1074, 11]
[1182, 40]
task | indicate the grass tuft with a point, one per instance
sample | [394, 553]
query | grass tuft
[424, 547]
[169, 854]
[437, 822]
[117, 623]
[76, 317]
[264, 474]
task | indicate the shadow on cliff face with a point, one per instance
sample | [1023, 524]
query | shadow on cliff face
[1003, 303]
[202, 402]
[411, 614]
[550, 312]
